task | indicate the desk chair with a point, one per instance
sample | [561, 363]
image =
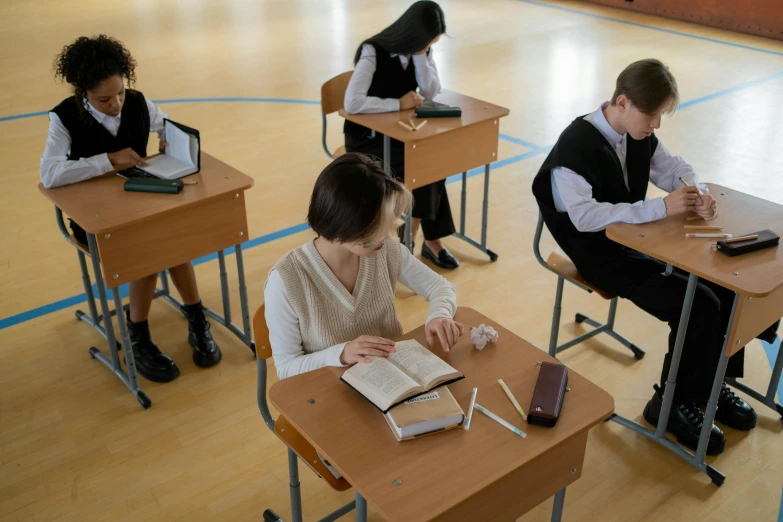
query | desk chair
[561, 265]
[298, 447]
[332, 99]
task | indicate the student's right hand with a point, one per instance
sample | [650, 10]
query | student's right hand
[126, 158]
[360, 348]
[411, 100]
[681, 200]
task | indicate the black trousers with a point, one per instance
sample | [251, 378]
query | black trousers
[430, 203]
[663, 296]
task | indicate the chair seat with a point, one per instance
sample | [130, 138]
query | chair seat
[562, 264]
[78, 244]
[339, 151]
[307, 452]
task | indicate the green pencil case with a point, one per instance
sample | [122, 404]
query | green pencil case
[438, 112]
[160, 186]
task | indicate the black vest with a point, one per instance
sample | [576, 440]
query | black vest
[389, 81]
[583, 149]
[90, 138]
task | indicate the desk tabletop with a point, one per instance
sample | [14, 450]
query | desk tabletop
[473, 111]
[438, 471]
[757, 273]
[100, 204]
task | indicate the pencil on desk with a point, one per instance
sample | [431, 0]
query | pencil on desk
[405, 126]
[512, 399]
[500, 421]
[470, 408]
[742, 238]
[703, 227]
[190, 182]
[422, 124]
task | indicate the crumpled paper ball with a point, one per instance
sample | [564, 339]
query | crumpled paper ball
[482, 335]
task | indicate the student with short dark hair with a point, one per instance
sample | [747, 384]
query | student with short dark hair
[330, 302]
[105, 126]
[388, 69]
[597, 174]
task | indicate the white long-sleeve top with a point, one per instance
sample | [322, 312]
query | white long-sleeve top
[356, 99]
[57, 170]
[573, 194]
[286, 339]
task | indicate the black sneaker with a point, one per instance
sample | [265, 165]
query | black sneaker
[734, 412]
[685, 422]
[206, 352]
[770, 335]
[150, 362]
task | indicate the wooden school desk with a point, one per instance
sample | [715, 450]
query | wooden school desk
[487, 473]
[756, 278]
[138, 234]
[444, 146]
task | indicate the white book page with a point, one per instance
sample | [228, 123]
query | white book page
[179, 145]
[179, 160]
[419, 363]
[380, 381]
[166, 167]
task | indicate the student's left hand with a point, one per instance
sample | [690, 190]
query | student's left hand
[448, 331]
[706, 207]
[162, 145]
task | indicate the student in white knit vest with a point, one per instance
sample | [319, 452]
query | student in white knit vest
[330, 302]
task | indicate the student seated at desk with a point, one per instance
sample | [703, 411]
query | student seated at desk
[330, 302]
[597, 174]
[389, 67]
[105, 126]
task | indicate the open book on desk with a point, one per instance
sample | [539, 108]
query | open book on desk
[182, 156]
[410, 371]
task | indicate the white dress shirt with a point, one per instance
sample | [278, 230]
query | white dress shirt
[356, 99]
[57, 170]
[286, 339]
[573, 194]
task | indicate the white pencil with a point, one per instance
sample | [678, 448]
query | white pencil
[500, 421]
[719, 236]
[470, 408]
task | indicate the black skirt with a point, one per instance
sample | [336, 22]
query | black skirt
[430, 203]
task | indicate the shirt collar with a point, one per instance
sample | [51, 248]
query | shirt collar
[599, 121]
[98, 115]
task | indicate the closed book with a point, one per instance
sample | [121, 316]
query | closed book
[161, 186]
[432, 412]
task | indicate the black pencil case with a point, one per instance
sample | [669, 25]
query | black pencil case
[438, 112]
[766, 239]
[160, 186]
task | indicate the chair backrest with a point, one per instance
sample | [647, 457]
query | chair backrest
[261, 334]
[333, 92]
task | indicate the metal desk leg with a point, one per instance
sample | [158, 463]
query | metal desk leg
[128, 379]
[557, 508]
[482, 245]
[361, 508]
[463, 203]
[659, 436]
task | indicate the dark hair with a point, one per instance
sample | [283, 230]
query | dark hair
[351, 197]
[413, 31]
[88, 61]
[649, 84]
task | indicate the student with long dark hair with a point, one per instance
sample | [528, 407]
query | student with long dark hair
[105, 126]
[389, 68]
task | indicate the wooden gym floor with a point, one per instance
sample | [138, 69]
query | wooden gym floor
[74, 444]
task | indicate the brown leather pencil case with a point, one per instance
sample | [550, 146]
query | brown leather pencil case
[548, 395]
